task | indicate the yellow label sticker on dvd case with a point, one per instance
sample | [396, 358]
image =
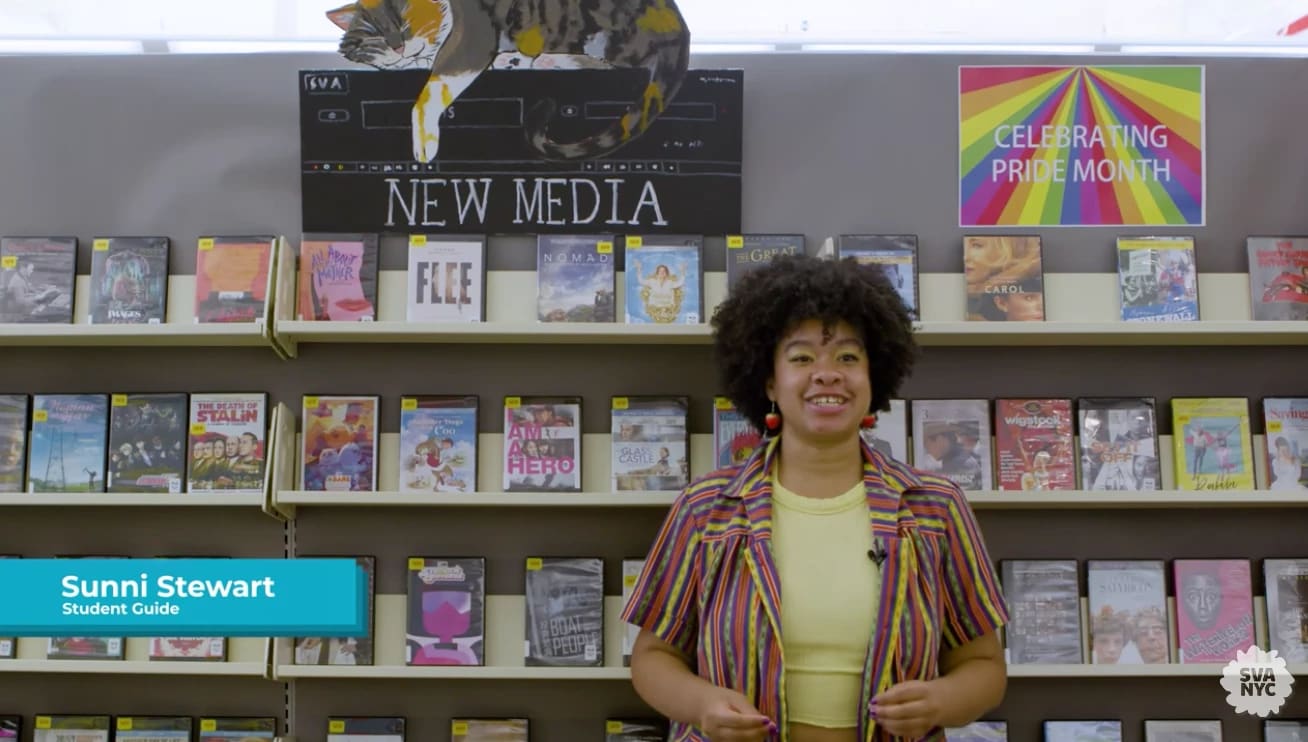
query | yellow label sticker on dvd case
[120, 400]
[1274, 426]
[735, 241]
[458, 728]
[100, 245]
[604, 247]
[198, 428]
[124, 723]
[416, 563]
[721, 403]
[620, 403]
[534, 564]
[613, 727]
[42, 722]
[634, 241]
[408, 403]
[629, 580]
[310, 402]
[9, 262]
[513, 403]
[336, 726]
[40, 416]
[417, 240]
[206, 244]
[208, 725]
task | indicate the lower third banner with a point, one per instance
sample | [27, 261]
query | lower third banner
[183, 597]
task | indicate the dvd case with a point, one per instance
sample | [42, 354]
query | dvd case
[37, 279]
[1157, 279]
[341, 650]
[233, 278]
[1005, 278]
[70, 438]
[575, 278]
[651, 445]
[446, 279]
[14, 414]
[565, 612]
[890, 433]
[542, 444]
[129, 281]
[338, 278]
[1045, 600]
[228, 441]
[365, 728]
[897, 256]
[1119, 444]
[1214, 609]
[747, 253]
[438, 443]
[664, 279]
[1128, 612]
[339, 443]
[70, 728]
[446, 611]
[147, 443]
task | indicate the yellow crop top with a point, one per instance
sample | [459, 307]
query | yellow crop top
[829, 590]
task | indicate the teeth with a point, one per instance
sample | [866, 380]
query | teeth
[827, 400]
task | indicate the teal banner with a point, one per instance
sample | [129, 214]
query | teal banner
[183, 597]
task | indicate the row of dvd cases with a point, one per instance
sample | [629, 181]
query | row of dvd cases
[266, 291]
[48, 728]
[169, 728]
[55, 728]
[336, 277]
[1115, 615]
[1111, 730]
[218, 443]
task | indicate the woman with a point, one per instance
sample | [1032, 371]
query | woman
[1287, 469]
[820, 591]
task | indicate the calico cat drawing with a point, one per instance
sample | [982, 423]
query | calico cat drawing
[459, 39]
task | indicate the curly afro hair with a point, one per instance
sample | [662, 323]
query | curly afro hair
[769, 301]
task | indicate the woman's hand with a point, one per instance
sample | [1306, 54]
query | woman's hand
[909, 709]
[728, 716]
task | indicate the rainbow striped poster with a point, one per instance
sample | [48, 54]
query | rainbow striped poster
[1081, 145]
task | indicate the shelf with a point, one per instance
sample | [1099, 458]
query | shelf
[402, 672]
[928, 333]
[295, 332]
[1077, 499]
[621, 673]
[480, 499]
[1071, 499]
[80, 335]
[136, 667]
[127, 499]
[1233, 332]
[1173, 670]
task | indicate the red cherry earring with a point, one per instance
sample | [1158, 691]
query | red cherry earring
[869, 420]
[772, 420]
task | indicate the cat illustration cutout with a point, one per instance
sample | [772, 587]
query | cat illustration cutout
[457, 40]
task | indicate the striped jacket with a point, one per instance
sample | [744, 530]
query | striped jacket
[710, 586]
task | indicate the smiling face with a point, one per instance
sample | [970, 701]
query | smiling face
[820, 382]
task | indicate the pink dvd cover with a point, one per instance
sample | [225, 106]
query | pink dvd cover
[1214, 609]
